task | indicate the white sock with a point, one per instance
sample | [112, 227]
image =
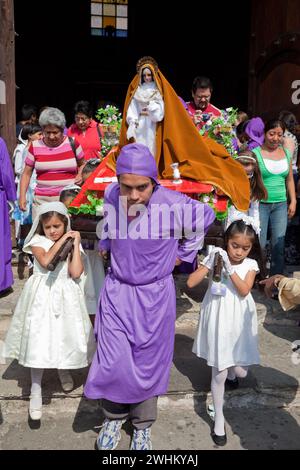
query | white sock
[217, 389]
[36, 387]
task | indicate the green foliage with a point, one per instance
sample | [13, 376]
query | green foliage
[211, 200]
[93, 207]
[109, 116]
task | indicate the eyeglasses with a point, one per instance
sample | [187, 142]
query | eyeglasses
[206, 97]
[82, 118]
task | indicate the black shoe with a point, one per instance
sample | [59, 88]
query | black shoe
[232, 384]
[219, 440]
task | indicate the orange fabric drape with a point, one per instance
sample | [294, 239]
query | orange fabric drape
[178, 140]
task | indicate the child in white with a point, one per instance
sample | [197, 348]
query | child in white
[51, 327]
[227, 330]
[258, 191]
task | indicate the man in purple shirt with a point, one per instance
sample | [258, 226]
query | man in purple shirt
[135, 325]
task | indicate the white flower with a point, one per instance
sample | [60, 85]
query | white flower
[205, 199]
[228, 110]
[209, 123]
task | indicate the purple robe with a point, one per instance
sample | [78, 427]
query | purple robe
[7, 193]
[135, 324]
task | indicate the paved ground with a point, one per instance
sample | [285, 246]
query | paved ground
[264, 413]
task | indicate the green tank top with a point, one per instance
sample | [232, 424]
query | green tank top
[275, 184]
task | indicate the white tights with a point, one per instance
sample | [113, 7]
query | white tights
[36, 387]
[217, 389]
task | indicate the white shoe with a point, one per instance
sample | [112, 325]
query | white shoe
[35, 408]
[67, 383]
[141, 439]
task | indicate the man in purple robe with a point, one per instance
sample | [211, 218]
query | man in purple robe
[7, 193]
[143, 229]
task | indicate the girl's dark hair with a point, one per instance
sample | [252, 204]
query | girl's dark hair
[83, 107]
[241, 131]
[65, 193]
[239, 227]
[274, 123]
[257, 187]
[35, 128]
[47, 216]
[289, 120]
[29, 129]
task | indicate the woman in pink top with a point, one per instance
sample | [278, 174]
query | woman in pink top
[87, 131]
[57, 159]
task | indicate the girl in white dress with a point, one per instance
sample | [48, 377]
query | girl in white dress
[50, 327]
[145, 110]
[227, 330]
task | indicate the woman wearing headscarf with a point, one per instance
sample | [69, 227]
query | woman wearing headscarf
[254, 130]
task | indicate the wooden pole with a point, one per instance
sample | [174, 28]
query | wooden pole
[7, 75]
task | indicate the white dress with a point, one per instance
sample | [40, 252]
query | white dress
[227, 329]
[50, 327]
[92, 279]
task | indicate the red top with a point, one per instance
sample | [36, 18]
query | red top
[88, 139]
[210, 108]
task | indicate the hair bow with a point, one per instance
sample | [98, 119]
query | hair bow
[247, 220]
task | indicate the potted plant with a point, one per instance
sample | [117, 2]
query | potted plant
[110, 119]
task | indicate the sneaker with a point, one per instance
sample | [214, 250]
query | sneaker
[110, 434]
[66, 380]
[211, 412]
[141, 439]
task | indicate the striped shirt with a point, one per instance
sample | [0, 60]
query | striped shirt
[55, 167]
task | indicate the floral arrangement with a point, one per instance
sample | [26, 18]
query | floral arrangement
[93, 207]
[109, 116]
[111, 120]
[220, 129]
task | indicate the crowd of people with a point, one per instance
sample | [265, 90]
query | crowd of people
[131, 350]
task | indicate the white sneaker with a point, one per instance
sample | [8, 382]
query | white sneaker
[67, 383]
[35, 407]
[110, 434]
[141, 439]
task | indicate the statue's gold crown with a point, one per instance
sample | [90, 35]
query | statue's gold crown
[146, 60]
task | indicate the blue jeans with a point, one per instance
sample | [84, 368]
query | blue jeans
[274, 214]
